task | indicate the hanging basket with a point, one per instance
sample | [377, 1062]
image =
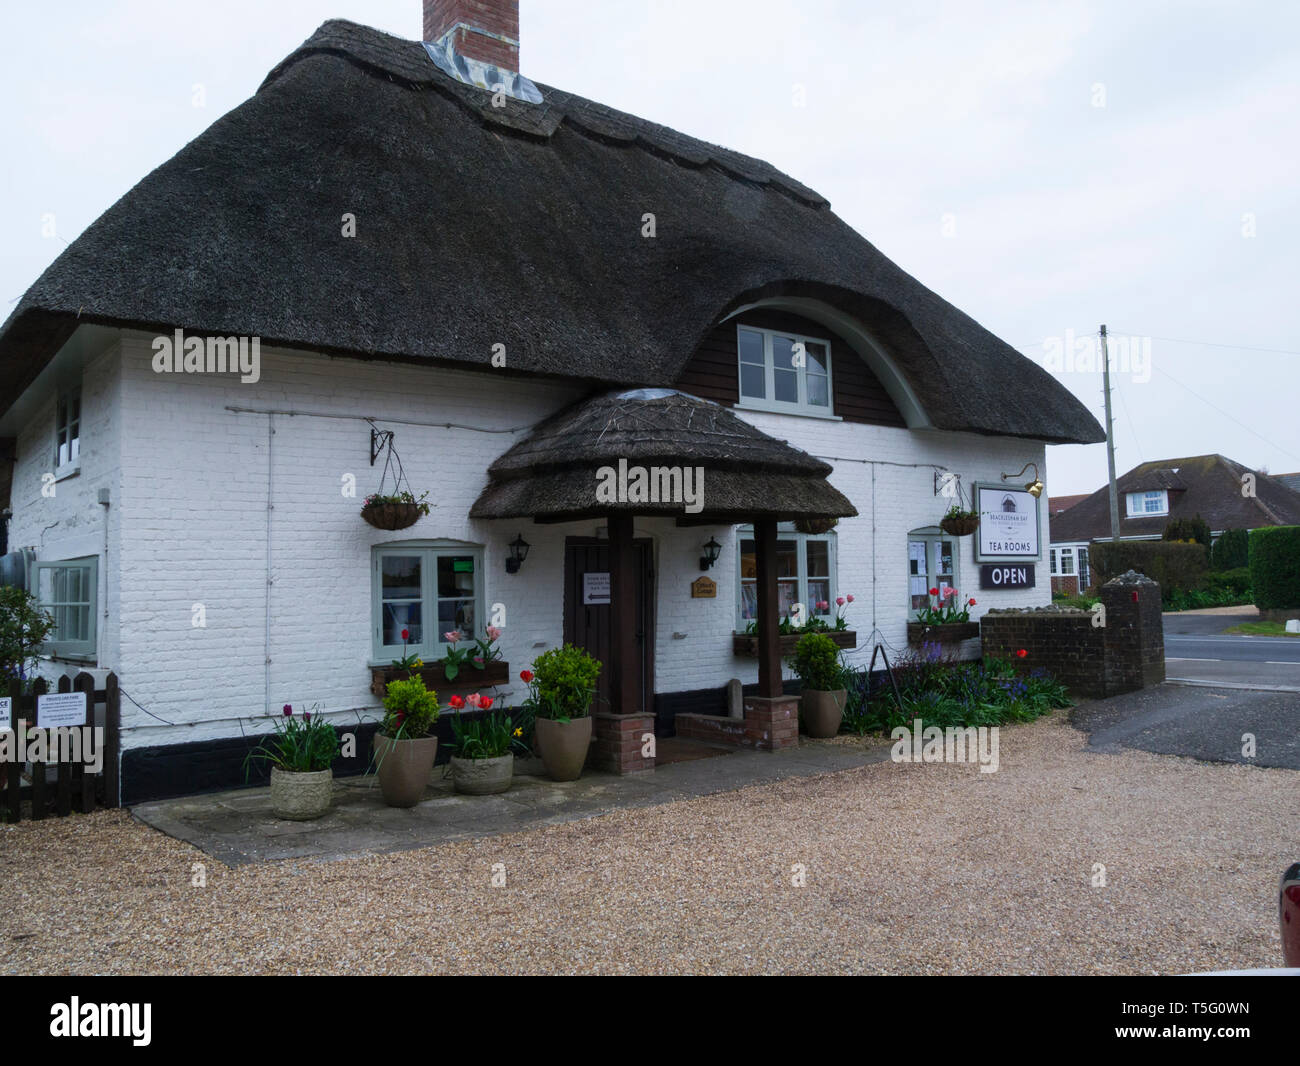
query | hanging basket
[815, 525]
[960, 527]
[392, 515]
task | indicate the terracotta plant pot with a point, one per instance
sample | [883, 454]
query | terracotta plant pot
[482, 777]
[300, 797]
[404, 767]
[563, 746]
[822, 711]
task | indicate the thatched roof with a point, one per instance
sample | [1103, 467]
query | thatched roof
[554, 472]
[479, 225]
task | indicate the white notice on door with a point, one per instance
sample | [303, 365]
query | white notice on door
[61, 709]
[595, 588]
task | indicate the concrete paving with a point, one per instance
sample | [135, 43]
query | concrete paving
[238, 827]
[1200, 722]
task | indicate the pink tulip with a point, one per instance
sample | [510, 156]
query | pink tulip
[849, 597]
[474, 699]
[839, 600]
[494, 632]
[452, 637]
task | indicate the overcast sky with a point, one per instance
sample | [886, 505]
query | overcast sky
[1045, 167]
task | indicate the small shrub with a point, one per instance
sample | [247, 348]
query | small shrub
[1235, 582]
[1170, 564]
[816, 662]
[1275, 566]
[1188, 530]
[23, 628]
[1231, 551]
[410, 709]
[563, 683]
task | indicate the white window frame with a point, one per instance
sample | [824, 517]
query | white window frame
[64, 402]
[55, 646]
[933, 536]
[433, 647]
[786, 531]
[768, 403]
[1137, 503]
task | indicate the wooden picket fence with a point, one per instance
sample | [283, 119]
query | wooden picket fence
[73, 786]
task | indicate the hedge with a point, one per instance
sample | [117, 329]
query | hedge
[1275, 566]
[1231, 550]
[1170, 563]
[1188, 529]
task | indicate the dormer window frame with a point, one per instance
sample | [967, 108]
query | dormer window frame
[1150, 503]
[805, 376]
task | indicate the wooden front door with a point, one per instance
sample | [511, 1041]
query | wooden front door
[587, 611]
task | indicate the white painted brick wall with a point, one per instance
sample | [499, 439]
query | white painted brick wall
[191, 480]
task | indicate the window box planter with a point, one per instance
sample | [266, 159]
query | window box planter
[392, 515]
[468, 679]
[746, 644]
[947, 633]
[959, 527]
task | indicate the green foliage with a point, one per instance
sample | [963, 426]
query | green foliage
[1190, 530]
[487, 737]
[816, 662]
[410, 709]
[563, 683]
[306, 744]
[1235, 582]
[1083, 603]
[943, 692]
[1231, 551]
[1170, 564]
[23, 628]
[1275, 566]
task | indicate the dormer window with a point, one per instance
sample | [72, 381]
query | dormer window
[1146, 504]
[784, 372]
[67, 434]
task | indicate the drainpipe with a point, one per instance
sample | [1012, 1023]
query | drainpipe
[270, 506]
[105, 498]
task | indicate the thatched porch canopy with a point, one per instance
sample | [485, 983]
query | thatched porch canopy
[701, 464]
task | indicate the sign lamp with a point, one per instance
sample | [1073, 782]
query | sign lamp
[1035, 487]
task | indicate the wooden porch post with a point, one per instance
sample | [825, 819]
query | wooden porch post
[769, 621]
[625, 672]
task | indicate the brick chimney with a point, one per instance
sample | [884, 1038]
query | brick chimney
[486, 30]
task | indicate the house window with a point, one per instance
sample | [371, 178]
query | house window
[1141, 504]
[67, 590]
[1085, 572]
[1067, 562]
[784, 371]
[1052, 557]
[427, 590]
[931, 564]
[805, 573]
[67, 433]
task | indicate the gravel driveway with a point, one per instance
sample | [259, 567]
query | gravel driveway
[909, 869]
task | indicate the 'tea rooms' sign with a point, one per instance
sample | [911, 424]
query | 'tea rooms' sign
[1008, 527]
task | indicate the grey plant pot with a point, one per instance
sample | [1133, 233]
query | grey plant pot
[823, 711]
[482, 777]
[563, 746]
[300, 797]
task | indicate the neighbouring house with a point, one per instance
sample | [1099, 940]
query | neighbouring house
[1291, 481]
[619, 359]
[1226, 494]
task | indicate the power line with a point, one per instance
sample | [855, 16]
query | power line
[1226, 415]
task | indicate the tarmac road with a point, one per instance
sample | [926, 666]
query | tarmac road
[1197, 651]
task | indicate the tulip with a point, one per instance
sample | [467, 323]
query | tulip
[849, 597]
[934, 592]
[494, 632]
[457, 703]
[452, 636]
[486, 703]
[839, 600]
[526, 676]
[288, 709]
[1021, 653]
[406, 634]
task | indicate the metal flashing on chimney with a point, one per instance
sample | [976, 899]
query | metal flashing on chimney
[478, 73]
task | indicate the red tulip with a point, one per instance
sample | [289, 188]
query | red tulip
[1021, 653]
[970, 603]
[526, 676]
[934, 592]
[457, 702]
[486, 703]
[406, 634]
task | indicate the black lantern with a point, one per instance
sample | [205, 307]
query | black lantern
[712, 550]
[518, 553]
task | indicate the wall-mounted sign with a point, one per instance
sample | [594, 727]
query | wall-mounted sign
[1008, 524]
[1007, 576]
[704, 588]
[6, 711]
[595, 588]
[60, 709]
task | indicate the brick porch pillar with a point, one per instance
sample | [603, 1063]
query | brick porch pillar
[771, 722]
[618, 743]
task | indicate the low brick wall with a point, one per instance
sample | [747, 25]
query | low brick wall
[768, 725]
[1095, 656]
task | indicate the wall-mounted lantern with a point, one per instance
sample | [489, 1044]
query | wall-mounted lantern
[712, 549]
[518, 553]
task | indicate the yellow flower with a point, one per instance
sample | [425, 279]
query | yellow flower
[419, 663]
[519, 732]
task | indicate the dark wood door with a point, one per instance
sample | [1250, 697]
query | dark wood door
[587, 623]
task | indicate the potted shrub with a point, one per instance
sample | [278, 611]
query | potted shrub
[301, 752]
[816, 662]
[394, 511]
[404, 745]
[562, 686]
[484, 761]
[958, 522]
[942, 621]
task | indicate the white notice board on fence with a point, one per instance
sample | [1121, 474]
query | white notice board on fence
[60, 709]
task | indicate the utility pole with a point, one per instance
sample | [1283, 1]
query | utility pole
[1110, 439]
